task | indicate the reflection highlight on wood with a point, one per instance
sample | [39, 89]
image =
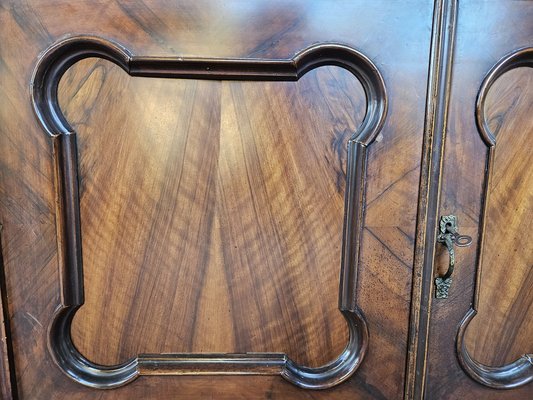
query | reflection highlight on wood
[507, 210]
[282, 234]
[507, 276]
[395, 35]
[51, 67]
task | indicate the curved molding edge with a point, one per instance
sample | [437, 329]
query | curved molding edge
[519, 372]
[512, 375]
[51, 66]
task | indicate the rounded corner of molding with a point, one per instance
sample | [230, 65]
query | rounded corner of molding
[75, 365]
[521, 57]
[509, 376]
[338, 370]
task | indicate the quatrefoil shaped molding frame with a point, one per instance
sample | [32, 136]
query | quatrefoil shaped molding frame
[51, 66]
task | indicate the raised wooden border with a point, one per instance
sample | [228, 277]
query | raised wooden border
[53, 63]
[519, 372]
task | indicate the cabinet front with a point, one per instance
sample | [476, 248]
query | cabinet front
[210, 200]
[266, 199]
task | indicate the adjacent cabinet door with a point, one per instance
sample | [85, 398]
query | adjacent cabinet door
[266, 199]
[481, 336]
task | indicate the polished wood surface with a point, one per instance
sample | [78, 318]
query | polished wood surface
[45, 81]
[501, 332]
[212, 210]
[503, 328]
[211, 216]
[248, 154]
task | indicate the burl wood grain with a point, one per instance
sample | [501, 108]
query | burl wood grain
[502, 330]
[273, 285]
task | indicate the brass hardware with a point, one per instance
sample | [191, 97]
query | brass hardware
[449, 237]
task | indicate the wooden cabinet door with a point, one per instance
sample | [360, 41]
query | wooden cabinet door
[209, 199]
[481, 336]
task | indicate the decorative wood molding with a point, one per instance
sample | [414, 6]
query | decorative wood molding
[519, 372]
[53, 63]
[438, 96]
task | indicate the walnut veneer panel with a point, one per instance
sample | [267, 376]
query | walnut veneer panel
[211, 212]
[503, 328]
[395, 36]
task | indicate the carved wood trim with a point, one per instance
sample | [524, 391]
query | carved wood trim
[519, 372]
[53, 63]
